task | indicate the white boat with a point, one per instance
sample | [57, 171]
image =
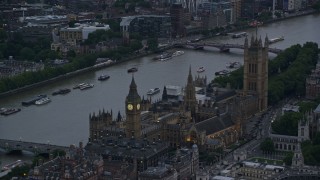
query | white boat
[44, 100]
[164, 56]
[177, 53]
[153, 91]
[239, 35]
[274, 40]
[233, 65]
[86, 86]
[2, 110]
[222, 73]
[78, 86]
[201, 69]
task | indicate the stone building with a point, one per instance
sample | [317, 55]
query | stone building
[313, 83]
[201, 114]
[255, 80]
[76, 164]
[128, 156]
[297, 159]
[289, 143]
[164, 120]
[184, 164]
[146, 25]
[256, 171]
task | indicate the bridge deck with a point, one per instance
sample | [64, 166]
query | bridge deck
[225, 46]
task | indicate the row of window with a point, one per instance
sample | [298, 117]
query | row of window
[252, 86]
[285, 147]
[253, 68]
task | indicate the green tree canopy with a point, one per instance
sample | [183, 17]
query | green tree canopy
[287, 124]
[288, 158]
[152, 44]
[27, 53]
[267, 146]
[3, 35]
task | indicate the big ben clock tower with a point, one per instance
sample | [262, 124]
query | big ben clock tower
[133, 111]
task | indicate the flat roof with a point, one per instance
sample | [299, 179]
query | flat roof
[222, 178]
[272, 167]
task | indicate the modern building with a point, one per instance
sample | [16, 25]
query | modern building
[146, 25]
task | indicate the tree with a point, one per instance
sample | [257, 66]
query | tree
[287, 124]
[135, 45]
[316, 139]
[305, 106]
[267, 146]
[316, 6]
[27, 53]
[71, 23]
[277, 14]
[71, 54]
[288, 158]
[152, 44]
[58, 152]
[3, 35]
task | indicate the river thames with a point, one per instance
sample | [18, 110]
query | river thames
[65, 120]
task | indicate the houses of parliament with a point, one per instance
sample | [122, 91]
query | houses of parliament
[150, 129]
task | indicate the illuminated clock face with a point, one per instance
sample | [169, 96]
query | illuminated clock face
[138, 106]
[130, 107]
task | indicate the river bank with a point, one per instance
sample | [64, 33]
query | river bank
[71, 74]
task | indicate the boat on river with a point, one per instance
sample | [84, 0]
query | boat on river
[61, 91]
[239, 35]
[233, 65]
[134, 69]
[78, 86]
[9, 111]
[201, 69]
[86, 86]
[274, 40]
[177, 53]
[153, 91]
[164, 56]
[222, 73]
[42, 101]
[33, 100]
[103, 77]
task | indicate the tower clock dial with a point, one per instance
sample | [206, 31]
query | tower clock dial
[130, 107]
[138, 106]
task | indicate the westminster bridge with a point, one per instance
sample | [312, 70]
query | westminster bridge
[10, 146]
[223, 47]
